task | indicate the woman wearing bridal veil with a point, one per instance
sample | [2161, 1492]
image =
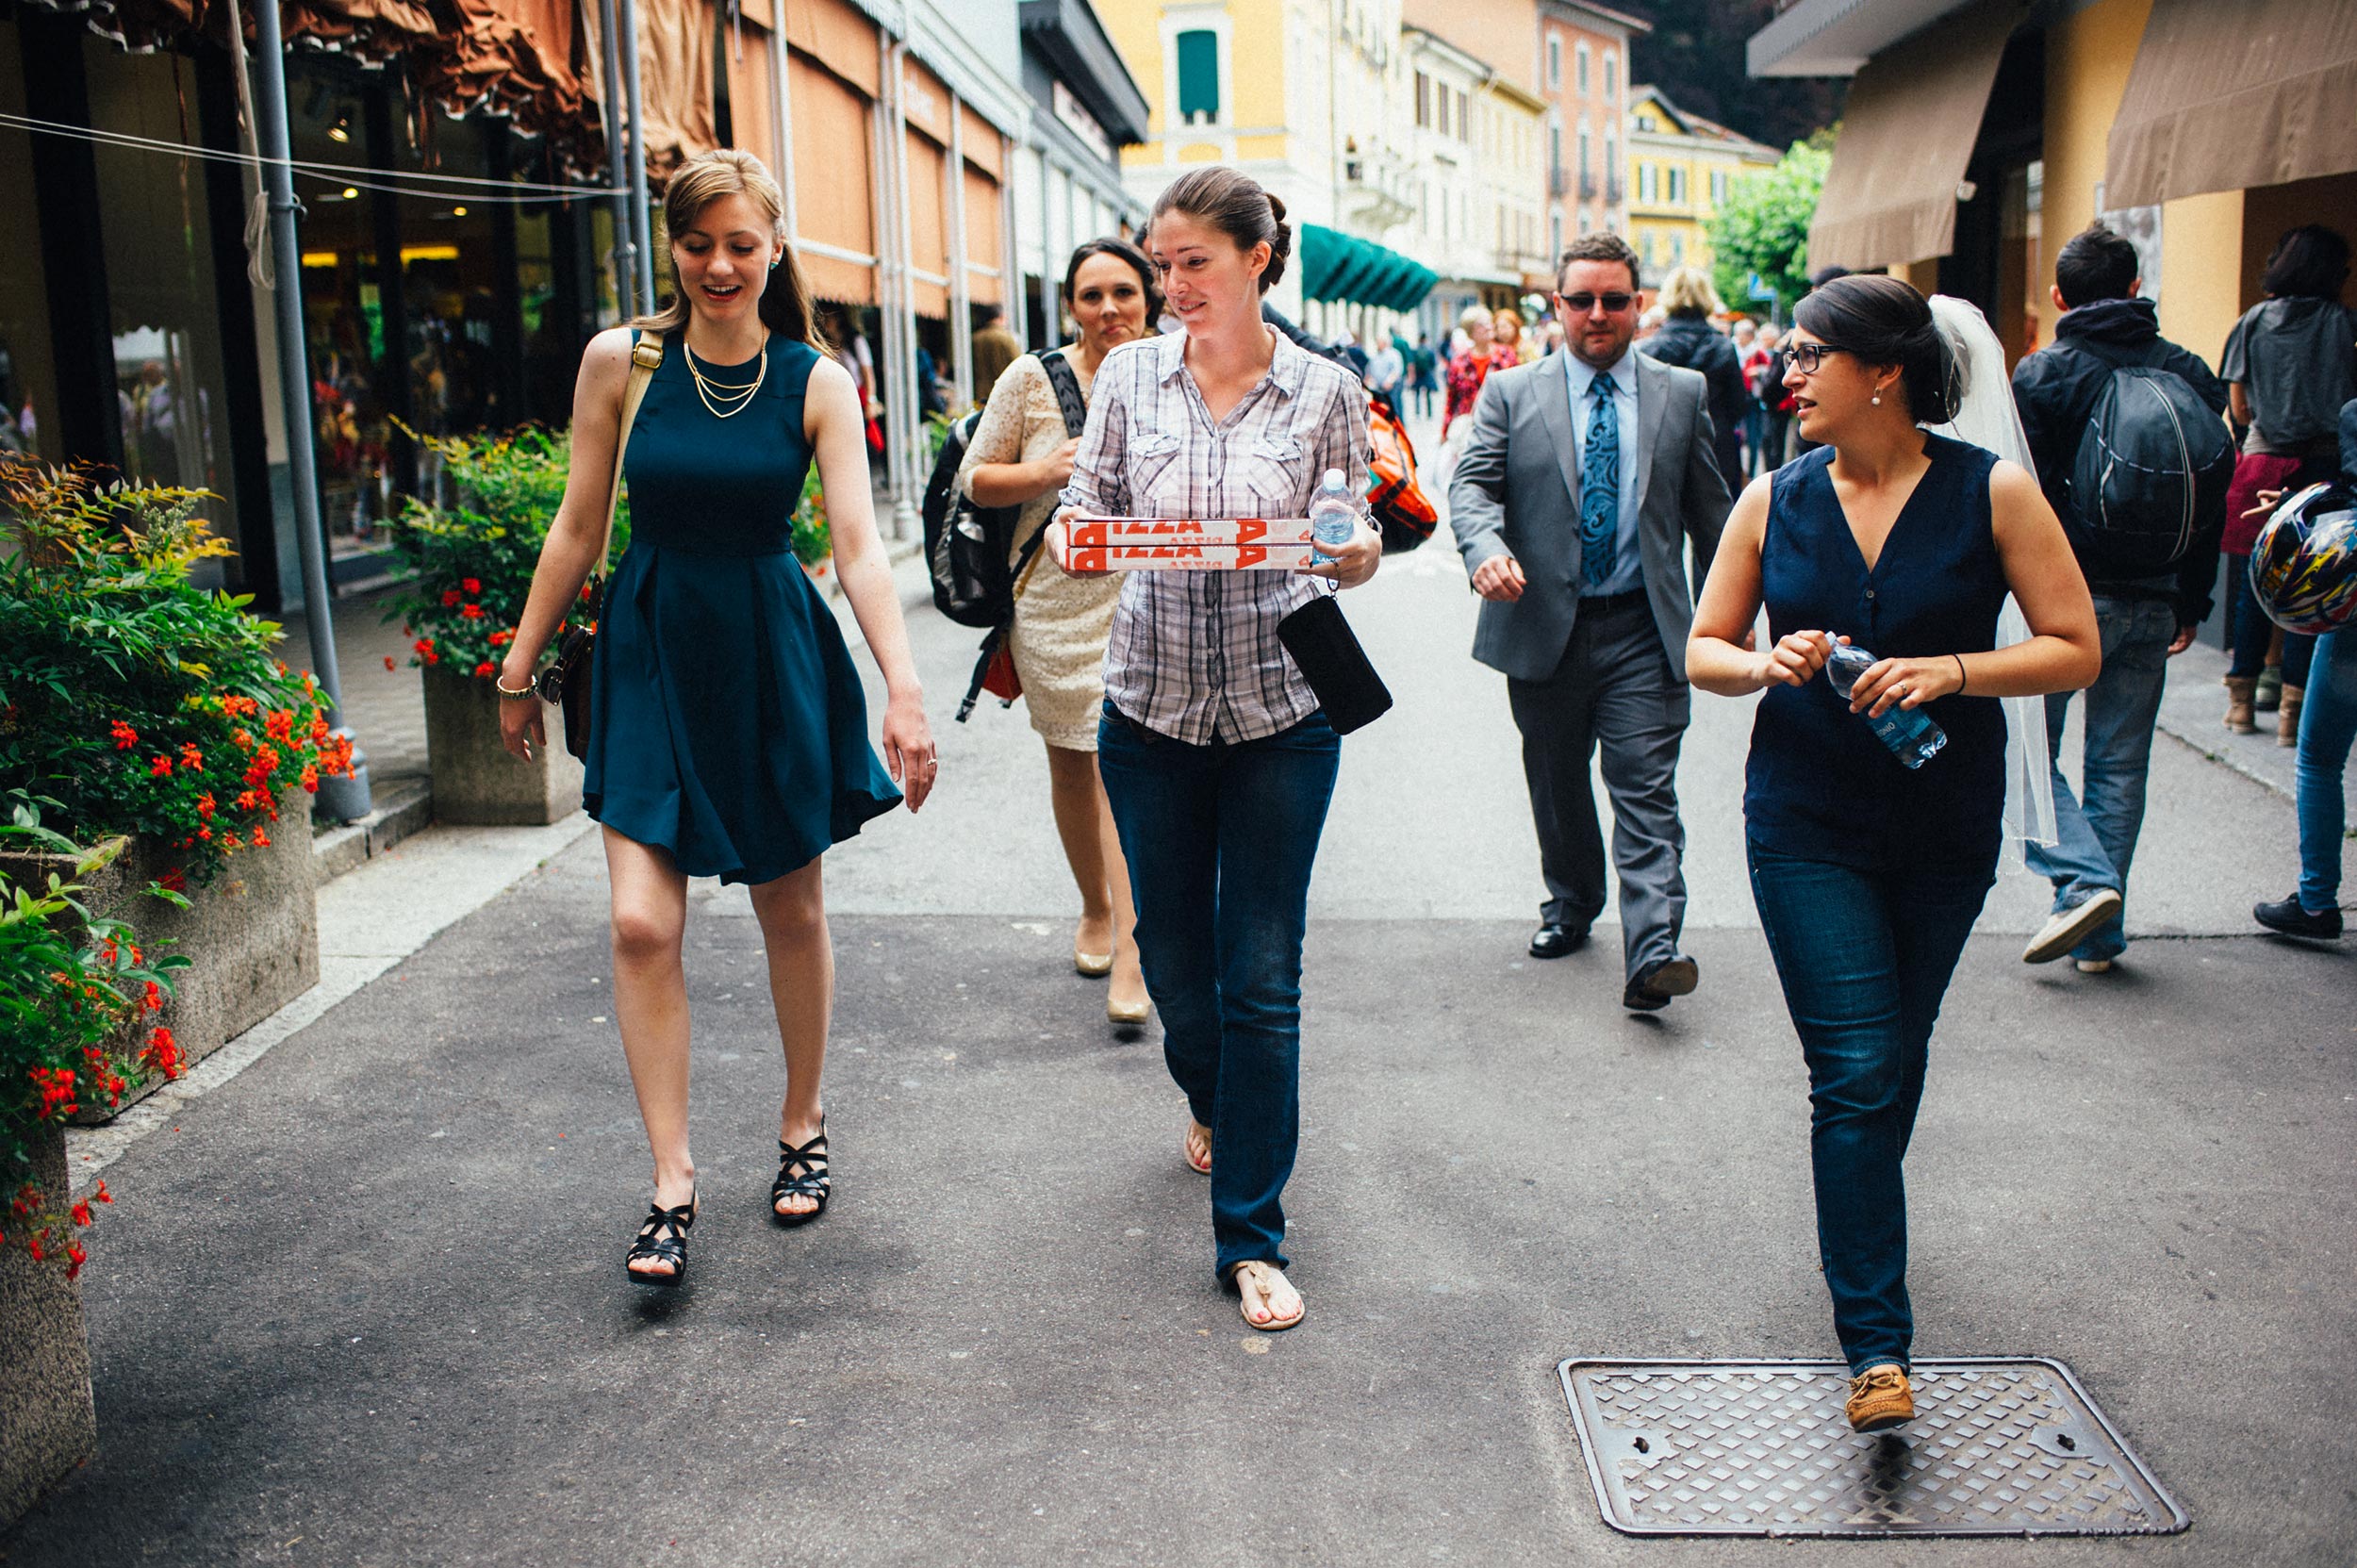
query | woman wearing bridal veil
[1904, 533]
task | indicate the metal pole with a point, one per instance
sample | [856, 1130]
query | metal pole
[641, 219]
[341, 800]
[625, 257]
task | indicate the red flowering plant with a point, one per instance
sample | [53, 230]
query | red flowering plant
[133, 700]
[76, 1000]
[470, 561]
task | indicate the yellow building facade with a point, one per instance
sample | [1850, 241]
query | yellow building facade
[1289, 90]
[1680, 169]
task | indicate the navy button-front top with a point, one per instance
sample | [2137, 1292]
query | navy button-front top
[1819, 784]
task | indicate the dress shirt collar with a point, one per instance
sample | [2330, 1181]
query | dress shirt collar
[1583, 375]
[1286, 368]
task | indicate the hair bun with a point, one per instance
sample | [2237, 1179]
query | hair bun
[1277, 205]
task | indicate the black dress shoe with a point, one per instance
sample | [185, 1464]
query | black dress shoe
[1655, 985]
[2289, 917]
[1554, 941]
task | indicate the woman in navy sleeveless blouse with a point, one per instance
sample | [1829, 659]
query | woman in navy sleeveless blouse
[729, 731]
[1869, 875]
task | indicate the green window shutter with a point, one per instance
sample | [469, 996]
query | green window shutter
[1199, 77]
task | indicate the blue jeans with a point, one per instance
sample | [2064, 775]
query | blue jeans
[1220, 839]
[1865, 958]
[2252, 631]
[2328, 723]
[2096, 833]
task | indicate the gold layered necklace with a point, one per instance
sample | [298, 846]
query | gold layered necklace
[726, 402]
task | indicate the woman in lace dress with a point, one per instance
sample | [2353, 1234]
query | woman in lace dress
[1021, 455]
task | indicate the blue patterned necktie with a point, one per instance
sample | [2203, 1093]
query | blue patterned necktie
[1600, 489]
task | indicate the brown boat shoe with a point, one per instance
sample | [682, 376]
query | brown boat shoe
[1880, 1398]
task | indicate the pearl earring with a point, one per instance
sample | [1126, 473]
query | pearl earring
[1878, 400]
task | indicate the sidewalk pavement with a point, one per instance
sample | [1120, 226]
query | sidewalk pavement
[365, 1304]
[2193, 711]
[362, 1301]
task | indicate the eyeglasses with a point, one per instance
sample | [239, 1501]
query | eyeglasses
[1582, 303]
[1810, 355]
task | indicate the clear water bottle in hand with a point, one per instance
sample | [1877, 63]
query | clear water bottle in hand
[1333, 516]
[1910, 733]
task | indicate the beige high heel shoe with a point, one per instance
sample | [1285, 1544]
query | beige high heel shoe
[1094, 965]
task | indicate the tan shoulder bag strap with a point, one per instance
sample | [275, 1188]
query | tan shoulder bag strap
[645, 356]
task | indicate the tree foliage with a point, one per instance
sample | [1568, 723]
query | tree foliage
[1763, 227]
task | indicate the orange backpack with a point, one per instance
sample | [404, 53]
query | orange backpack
[1402, 510]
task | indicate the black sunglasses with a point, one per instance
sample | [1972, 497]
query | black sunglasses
[1583, 302]
[1810, 355]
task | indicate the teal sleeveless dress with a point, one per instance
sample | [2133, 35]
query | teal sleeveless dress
[726, 723]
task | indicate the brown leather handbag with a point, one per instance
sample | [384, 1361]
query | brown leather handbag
[566, 683]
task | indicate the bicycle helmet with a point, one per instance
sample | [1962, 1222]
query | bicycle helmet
[2304, 569]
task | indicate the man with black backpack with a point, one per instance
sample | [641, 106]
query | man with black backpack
[2126, 431]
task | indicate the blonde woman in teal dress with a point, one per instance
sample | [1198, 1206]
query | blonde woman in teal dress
[729, 733]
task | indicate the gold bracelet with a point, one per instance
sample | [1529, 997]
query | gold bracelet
[530, 691]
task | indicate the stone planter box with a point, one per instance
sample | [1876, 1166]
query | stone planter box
[476, 782]
[47, 1424]
[251, 938]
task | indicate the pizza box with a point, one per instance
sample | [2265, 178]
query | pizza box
[1096, 530]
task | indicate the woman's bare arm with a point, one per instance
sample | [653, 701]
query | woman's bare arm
[570, 552]
[833, 420]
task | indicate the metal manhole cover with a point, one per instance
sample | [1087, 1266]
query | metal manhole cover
[1997, 1447]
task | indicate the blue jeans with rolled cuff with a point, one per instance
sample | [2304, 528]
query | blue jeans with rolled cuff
[2096, 830]
[1864, 958]
[1219, 841]
[2328, 725]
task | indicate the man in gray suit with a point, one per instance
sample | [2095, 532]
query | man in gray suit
[1585, 475]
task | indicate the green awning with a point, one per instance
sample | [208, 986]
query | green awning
[1343, 267]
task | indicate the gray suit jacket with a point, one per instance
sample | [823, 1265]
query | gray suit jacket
[1516, 492]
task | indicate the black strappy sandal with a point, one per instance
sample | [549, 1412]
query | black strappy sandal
[662, 1238]
[813, 1181]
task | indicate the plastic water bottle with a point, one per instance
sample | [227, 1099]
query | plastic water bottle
[1911, 735]
[1333, 516]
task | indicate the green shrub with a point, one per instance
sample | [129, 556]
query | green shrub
[132, 700]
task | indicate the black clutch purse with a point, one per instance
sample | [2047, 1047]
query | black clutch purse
[566, 683]
[1327, 652]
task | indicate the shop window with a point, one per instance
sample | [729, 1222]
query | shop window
[1198, 77]
[158, 253]
[28, 383]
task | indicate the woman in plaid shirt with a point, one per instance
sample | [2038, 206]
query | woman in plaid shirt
[1216, 759]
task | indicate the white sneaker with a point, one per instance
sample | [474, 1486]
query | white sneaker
[2069, 926]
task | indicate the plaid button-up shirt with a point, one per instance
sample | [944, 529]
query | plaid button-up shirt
[1195, 654]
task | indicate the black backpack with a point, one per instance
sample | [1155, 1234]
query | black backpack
[966, 546]
[2151, 473]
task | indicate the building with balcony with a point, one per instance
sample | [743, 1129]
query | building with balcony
[1301, 95]
[1582, 75]
[1680, 169]
[1479, 180]
[1980, 135]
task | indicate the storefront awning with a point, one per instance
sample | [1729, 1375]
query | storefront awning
[1343, 267]
[1907, 131]
[2225, 97]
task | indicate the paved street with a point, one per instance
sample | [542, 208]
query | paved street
[363, 1304]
